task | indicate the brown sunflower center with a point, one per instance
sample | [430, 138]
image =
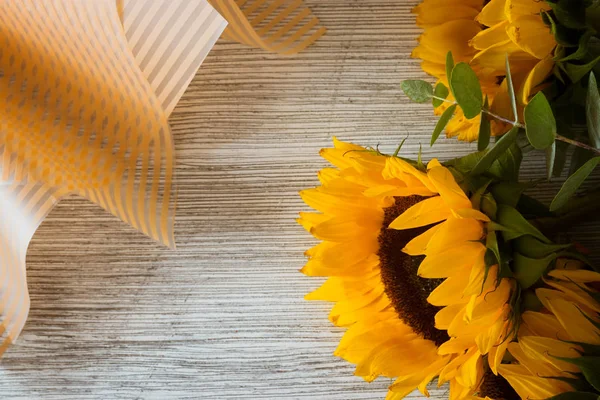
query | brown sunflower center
[496, 387]
[407, 291]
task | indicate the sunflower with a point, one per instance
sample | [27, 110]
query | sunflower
[483, 33]
[402, 250]
[564, 328]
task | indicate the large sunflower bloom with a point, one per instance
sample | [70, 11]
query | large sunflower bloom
[370, 208]
[570, 315]
[483, 36]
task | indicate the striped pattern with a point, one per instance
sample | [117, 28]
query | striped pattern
[286, 27]
[122, 155]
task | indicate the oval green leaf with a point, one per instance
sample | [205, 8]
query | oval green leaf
[540, 124]
[467, 90]
[485, 131]
[417, 90]
[449, 66]
[440, 91]
[571, 185]
[442, 122]
[592, 110]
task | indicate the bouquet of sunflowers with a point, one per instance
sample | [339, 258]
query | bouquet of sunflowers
[452, 271]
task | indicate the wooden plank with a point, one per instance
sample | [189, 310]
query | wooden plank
[114, 316]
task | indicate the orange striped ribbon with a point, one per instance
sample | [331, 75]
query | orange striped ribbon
[87, 87]
[286, 27]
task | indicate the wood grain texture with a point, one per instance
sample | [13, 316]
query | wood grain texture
[115, 316]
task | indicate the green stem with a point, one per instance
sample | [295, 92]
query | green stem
[520, 125]
[578, 144]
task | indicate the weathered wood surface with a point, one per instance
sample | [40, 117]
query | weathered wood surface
[115, 316]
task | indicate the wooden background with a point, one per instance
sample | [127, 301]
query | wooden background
[115, 316]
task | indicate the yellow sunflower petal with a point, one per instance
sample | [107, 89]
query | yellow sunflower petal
[496, 355]
[418, 245]
[492, 13]
[518, 8]
[426, 212]
[447, 187]
[451, 261]
[529, 386]
[452, 232]
[491, 36]
[448, 292]
[470, 213]
[546, 325]
[531, 35]
[579, 275]
[549, 350]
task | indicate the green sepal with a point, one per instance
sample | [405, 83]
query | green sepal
[491, 155]
[508, 193]
[581, 51]
[534, 248]
[574, 395]
[529, 270]
[576, 72]
[517, 225]
[570, 13]
[589, 366]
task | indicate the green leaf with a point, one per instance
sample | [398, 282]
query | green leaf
[440, 91]
[592, 111]
[417, 90]
[534, 248]
[528, 270]
[467, 90]
[540, 124]
[511, 90]
[485, 131]
[550, 159]
[486, 161]
[442, 122]
[517, 225]
[576, 72]
[573, 183]
[449, 66]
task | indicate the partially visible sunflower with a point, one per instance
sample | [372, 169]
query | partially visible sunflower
[567, 322]
[404, 320]
[483, 33]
